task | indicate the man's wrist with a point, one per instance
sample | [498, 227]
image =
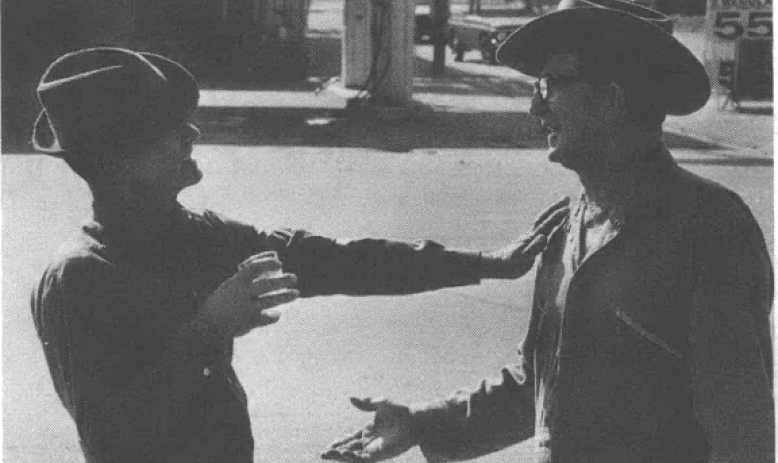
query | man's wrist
[211, 331]
[491, 265]
[425, 417]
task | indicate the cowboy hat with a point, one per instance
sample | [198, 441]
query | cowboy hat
[621, 36]
[100, 97]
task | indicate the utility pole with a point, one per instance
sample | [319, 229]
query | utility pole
[440, 14]
[393, 24]
[357, 55]
[378, 49]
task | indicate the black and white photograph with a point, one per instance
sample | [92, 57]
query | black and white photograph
[286, 231]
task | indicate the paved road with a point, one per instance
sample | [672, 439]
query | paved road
[300, 372]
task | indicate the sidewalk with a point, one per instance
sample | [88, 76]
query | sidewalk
[472, 105]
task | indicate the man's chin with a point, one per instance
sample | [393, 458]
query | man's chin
[560, 156]
[552, 141]
[192, 173]
[555, 154]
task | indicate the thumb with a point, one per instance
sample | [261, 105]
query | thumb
[536, 246]
[367, 404]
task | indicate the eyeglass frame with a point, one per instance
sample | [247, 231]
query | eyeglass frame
[542, 88]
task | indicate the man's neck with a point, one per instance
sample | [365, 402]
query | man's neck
[134, 212]
[612, 183]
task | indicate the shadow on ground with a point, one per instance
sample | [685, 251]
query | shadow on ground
[436, 128]
[727, 160]
[442, 125]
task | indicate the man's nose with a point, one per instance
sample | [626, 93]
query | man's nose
[191, 132]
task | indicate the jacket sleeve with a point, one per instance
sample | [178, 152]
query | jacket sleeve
[730, 352]
[326, 266]
[371, 266]
[499, 413]
[121, 413]
[468, 424]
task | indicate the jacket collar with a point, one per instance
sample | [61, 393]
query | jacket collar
[143, 235]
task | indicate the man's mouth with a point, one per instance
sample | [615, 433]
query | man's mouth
[551, 131]
[548, 126]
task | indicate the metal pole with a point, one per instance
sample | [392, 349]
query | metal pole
[357, 56]
[393, 25]
[440, 14]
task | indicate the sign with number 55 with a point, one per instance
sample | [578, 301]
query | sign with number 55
[731, 25]
[728, 21]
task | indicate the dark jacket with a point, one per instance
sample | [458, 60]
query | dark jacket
[665, 347]
[141, 380]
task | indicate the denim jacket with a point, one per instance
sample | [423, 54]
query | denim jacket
[665, 350]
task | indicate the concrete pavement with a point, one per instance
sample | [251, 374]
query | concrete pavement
[473, 105]
[299, 373]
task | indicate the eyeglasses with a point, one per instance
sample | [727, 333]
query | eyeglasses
[547, 82]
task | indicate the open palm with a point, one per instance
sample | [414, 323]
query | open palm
[391, 433]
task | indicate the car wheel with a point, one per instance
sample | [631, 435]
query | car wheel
[488, 52]
[489, 55]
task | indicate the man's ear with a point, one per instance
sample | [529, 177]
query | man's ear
[616, 99]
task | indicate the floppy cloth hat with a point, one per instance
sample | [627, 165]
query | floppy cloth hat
[620, 36]
[100, 97]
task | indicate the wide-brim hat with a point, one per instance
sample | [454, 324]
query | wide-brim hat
[101, 97]
[619, 40]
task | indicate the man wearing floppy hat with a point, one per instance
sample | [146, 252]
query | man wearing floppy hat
[138, 312]
[649, 339]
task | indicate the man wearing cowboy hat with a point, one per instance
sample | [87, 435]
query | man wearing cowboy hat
[138, 313]
[649, 339]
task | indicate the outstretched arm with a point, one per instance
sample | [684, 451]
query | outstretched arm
[516, 259]
[370, 266]
[499, 413]
[395, 429]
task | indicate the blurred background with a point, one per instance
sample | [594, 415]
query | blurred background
[222, 41]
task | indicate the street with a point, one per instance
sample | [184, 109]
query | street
[300, 372]
[471, 175]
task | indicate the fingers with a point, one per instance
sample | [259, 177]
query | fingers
[284, 296]
[551, 222]
[264, 314]
[253, 267]
[267, 317]
[349, 456]
[353, 448]
[562, 204]
[263, 285]
[537, 245]
[255, 257]
[367, 404]
[346, 449]
[356, 436]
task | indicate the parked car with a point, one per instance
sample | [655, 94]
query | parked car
[423, 28]
[487, 23]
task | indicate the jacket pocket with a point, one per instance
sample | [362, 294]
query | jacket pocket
[649, 336]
